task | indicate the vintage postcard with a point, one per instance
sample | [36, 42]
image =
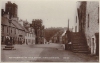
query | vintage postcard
[49, 31]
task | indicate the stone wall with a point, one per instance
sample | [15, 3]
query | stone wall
[92, 25]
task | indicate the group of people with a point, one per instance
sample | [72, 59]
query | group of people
[10, 41]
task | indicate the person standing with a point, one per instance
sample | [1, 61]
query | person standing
[70, 45]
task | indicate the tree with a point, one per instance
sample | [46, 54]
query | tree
[50, 32]
[38, 27]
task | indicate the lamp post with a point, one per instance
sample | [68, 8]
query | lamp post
[68, 38]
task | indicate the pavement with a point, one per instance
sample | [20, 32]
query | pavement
[44, 53]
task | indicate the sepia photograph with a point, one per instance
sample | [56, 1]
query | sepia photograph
[49, 31]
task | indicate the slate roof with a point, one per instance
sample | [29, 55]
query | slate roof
[63, 33]
[4, 21]
[26, 30]
[17, 25]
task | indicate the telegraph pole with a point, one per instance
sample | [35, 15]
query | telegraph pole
[68, 24]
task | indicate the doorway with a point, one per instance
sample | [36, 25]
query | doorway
[97, 43]
[93, 46]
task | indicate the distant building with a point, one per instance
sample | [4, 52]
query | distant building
[64, 37]
[58, 37]
[29, 32]
[30, 36]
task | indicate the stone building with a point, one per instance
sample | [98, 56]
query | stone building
[29, 32]
[92, 26]
[11, 8]
[7, 28]
[76, 25]
[13, 29]
[88, 14]
[10, 25]
[30, 36]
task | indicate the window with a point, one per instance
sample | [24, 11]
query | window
[2, 28]
[7, 29]
[2, 38]
[15, 30]
[75, 28]
[76, 19]
[88, 20]
[98, 14]
[11, 30]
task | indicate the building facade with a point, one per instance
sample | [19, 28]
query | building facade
[92, 26]
[10, 25]
[13, 29]
[88, 13]
[30, 35]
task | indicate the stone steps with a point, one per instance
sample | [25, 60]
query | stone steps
[79, 44]
[78, 40]
[9, 47]
[80, 51]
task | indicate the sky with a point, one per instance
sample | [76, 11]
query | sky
[54, 13]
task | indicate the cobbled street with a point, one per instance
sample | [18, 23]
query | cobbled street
[44, 53]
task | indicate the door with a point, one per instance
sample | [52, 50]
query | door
[93, 46]
[97, 43]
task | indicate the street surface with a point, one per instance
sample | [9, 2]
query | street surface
[44, 53]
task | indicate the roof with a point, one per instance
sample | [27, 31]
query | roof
[63, 33]
[4, 21]
[26, 30]
[17, 24]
